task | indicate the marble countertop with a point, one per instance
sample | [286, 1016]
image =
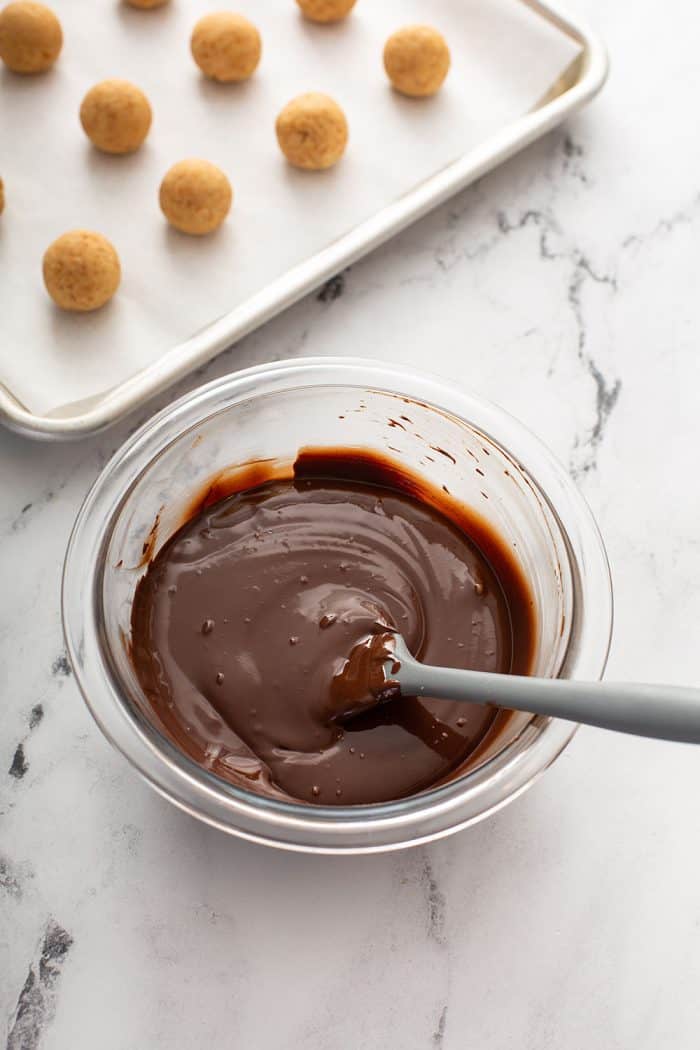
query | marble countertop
[565, 287]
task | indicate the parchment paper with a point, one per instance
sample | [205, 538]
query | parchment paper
[504, 60]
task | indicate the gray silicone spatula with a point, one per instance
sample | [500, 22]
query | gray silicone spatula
[668, 712]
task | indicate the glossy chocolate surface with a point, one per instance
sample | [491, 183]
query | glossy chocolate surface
[247, 616]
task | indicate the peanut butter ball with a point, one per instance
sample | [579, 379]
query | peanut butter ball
[195, 196]
[146, 4]
[312, 131]
[81, 270]
[416, 60]
[116, 116]
[326, 10]
[226, 47]
[30, 37]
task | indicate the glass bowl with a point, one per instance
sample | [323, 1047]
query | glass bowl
[484, 457]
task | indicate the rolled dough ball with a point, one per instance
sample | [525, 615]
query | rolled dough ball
[147, 4]
[416, 59]
[326, 10]
[312, 131]
[81, 270]
[226, 46]
[30, 37]
[195, 196]
[116, 116]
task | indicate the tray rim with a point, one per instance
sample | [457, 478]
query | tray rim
[202, 347]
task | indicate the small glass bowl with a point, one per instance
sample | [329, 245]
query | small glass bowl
[484, 457]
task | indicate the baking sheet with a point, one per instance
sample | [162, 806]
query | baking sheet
[505, 60]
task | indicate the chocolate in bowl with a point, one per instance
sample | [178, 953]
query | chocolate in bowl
[244, 624]
[486, 460]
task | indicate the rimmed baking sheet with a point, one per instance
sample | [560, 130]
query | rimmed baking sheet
[519, 67]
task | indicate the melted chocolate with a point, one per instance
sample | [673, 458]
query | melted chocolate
[244, 623]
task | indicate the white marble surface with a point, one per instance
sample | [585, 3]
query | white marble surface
[565, 287]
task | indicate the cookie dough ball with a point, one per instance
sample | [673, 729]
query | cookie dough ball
[30, 37]
[326, 10]
[81, 270]
[195, 196]
[116, 116]
[226, 47]
[312, 131]
[146, 4]
[416, 60]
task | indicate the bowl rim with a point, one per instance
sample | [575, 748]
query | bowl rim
[297, 825]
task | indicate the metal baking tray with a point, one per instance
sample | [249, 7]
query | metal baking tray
[578, 85]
